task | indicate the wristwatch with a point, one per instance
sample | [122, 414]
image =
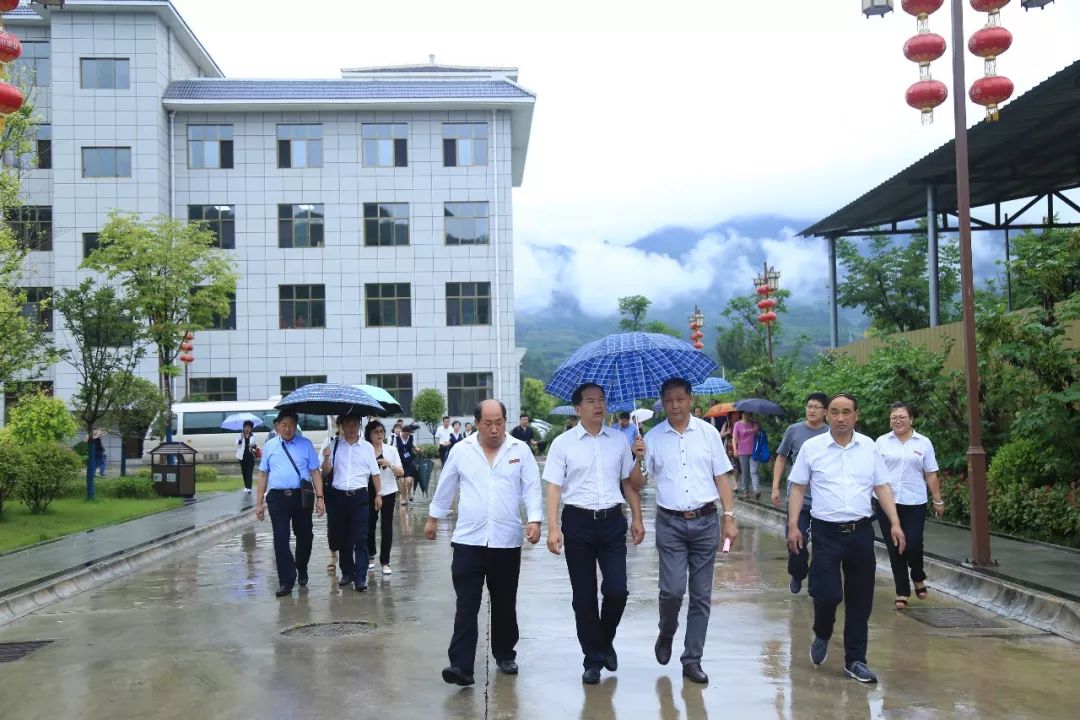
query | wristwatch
[319, 497]
[730, 514]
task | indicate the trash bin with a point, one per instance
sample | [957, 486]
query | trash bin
[172, 469]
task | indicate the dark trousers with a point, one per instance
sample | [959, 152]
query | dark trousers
[286, 509]
[687, 549]
[332, 517]
[913, 523]
[590, 542]
[471, 567]
[387, 517]
[352, 528]
[247, 469]
[798, 563]
[843, 569]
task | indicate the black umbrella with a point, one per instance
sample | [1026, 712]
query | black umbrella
[331, 399]
[759, 406]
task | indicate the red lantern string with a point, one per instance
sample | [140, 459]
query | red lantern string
[988, 43]
[923, 49]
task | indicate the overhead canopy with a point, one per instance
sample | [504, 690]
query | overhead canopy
[1032, 150]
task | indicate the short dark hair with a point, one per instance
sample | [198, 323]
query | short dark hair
[371, 427]
[478, 410]
[284, 414]
[250, 424]
[907, 406]
[846, 396]
[676, 382]
[820, 397]
[577, 397]
[456, 422]
[445, 417]
[524, 415]
[624, 416]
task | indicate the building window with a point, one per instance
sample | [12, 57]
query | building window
[385, 144]
[397, 384]
[90, 243]
[43, 139]
[388, 304]
[468, 303]
[17, 391]
[302, 306]
[106, 73]
[386, 224]
[466, 390]
[32, 226]
[299, 146]
[464, 144]
[300, 226]
[210, 147]
[292, 382]
[213, 389]
[226, 322]
[38, 307]
[466, 223]
[34, 64]
[219, 219]
[106, 162]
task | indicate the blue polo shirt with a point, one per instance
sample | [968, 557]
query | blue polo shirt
[282, 475]
[630, 432]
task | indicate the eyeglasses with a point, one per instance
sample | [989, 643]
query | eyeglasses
[898, 418]
[815, 406]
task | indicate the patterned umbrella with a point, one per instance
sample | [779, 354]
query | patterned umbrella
[630, 366]
[713, 386]
[564, 410]
[331, 399]
[390, 405]
[624, 406]
[236, 421]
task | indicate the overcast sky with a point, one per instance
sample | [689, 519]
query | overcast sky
[656, 114]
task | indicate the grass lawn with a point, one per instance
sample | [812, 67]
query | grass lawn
[222, 484]
[71, 515]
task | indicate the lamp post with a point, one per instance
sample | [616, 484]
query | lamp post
[697, 321]
[765, 285]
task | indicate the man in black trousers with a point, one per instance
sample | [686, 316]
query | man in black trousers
[352, 459]
[495, 474]
[585, 468]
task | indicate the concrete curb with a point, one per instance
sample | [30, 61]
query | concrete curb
[1022, 604]
[61, 588]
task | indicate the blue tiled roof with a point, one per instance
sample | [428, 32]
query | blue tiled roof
[22, 11]
[315, 90]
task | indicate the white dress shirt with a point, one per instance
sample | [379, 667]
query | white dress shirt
[842, 479]
[685, 465]
[589, 469]
[387, 478]
[907, 463]
[353, 464]
[443, 434]
[489, 509]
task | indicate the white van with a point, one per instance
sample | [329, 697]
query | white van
[199, 425]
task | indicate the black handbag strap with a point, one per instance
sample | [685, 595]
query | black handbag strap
[298, 475]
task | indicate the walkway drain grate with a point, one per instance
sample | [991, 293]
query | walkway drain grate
[951, 618]
[329, 630]
[10, 652]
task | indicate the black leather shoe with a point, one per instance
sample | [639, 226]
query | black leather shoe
[611, 660]
[457, 676]
[694, 673]
[663, 650]
[301, 579]
[283, 590]
[360, 584]
[508, 667]
[591, 676]
[344, 581]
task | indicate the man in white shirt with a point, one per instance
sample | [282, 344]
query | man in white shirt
[686, 458]
[590, 468]
[352, 461]
[443, 436]
[843, 470]
[495, 475]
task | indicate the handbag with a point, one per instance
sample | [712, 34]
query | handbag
[307, 489]
[328, 479]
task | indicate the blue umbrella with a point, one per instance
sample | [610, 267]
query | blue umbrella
[564, 410]
[331, 399]
[658, 407]
[236, 421]
[630, 366]
[625, 406]
[759, 406]
[713, 386]
[390, 405]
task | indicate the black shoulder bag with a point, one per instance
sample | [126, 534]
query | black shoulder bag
[328, 478]
[307, 489]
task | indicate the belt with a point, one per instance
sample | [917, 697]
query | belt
[844, 527]
[287, 492]
[596, 514]
[350, 493]
[702, 511]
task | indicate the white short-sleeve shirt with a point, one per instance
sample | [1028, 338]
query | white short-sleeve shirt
[841, 478]
[589, 468]
[387, 479]
[442, 434]
[907, 463]
[685, 465]
[353, 464]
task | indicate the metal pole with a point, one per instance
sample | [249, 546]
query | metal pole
[834, 319]
[932, 255]
[1008, 270]
[980, 519]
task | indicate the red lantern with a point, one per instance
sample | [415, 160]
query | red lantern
[189, 336]
[10, 47]
[921, 8]
[185, 358]
[988, 6]
[186, 346]
[10, 99]
[990, 41]
[8, 5]
[698, 345]
[924, 48]
[926, 95]
[763, 290]
[767, 318]
[990, 92]
[766, 304]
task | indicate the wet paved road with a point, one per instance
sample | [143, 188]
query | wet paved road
[200, 638]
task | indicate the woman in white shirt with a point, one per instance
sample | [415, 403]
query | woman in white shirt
[390, 470]
[913, 467]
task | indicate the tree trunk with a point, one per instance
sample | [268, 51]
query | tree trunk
[91, 463]
[166, 386]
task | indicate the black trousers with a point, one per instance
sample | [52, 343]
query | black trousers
[247, 469]
[352, 528]
[798, 564]
[471, 567]
[589, 542]
[285, 508]
[332, 517]
[387, 517]
[843, 568]
[913, 523]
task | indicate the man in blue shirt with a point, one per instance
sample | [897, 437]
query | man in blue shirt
[287, 463]
[627, 428]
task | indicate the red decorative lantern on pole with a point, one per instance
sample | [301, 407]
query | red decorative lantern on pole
[925, 95]
[10, 47]
[11, 98]
[8, 5]
[187, 358]
[697, 321]
[765, 285]
[991, 91]
[988, 43]
[924, 48]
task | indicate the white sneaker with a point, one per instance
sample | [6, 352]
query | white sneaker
[371, 566]
[386, 570]
[247, 490]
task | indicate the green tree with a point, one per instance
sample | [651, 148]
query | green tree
[104, 347]
[889, 282]
[39, 418]
[633, 310]
[741, 341]
[1046, 270]
[48, 471]
[535, 401]
[134, 410]
[658, 326]
[174, 276]
[428, 407]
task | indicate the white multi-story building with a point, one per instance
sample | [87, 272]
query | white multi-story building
[369, 216]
